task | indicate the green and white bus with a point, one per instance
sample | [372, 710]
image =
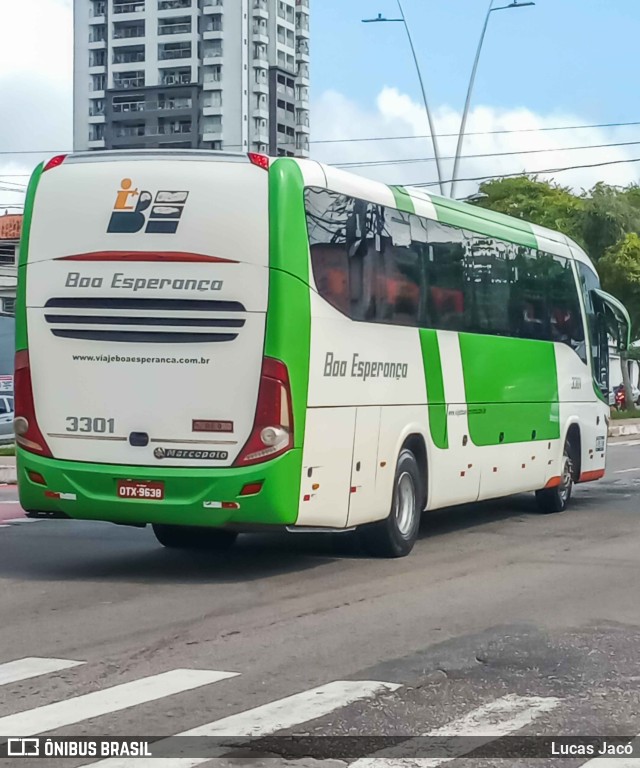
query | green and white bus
[214, 343]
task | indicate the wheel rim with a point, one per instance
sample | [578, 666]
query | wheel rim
[564, 488]
[405, 506]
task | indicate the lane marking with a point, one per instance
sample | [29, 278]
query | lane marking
[493, 720]
[114, 699]
[612, 762]
[23, 520]
[32, 666]
[623, 444]
[622, 471]
[265, 720]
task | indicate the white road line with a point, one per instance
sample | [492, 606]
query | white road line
[23, 520]
[498, 718]
[32, 666]
[262, 721]
[115, 699]
[622, 471]
[623, 444]
[612, 762]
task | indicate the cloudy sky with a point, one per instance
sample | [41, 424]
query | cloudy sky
[559, 63]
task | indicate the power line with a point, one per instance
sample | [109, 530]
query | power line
[477, 133]
[529, 173]
[375, 163]
[392, 138]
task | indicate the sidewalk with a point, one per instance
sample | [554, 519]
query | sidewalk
[8, 469]
[624, 427]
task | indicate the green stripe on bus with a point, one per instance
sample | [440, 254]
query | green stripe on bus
[484, 221]
[403, 199]
[21, 294]
[435, 387]
[511, 388]
[288, 332]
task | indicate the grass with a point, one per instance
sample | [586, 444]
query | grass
[619, 415]
[7, 450]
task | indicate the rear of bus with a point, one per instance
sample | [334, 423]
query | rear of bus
[151, 384]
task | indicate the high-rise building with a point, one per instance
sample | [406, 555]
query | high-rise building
[214, 74]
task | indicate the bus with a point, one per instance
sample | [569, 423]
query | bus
[213, 344]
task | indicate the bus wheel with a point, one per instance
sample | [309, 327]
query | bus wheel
[186, 537]
[556, 499]
[396, 535]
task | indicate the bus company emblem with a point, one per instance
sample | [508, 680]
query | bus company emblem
[134, 208]
[181, 453]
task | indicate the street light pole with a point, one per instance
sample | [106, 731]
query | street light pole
[465, 114]
[434, 140]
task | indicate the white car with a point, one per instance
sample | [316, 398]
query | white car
[6, 419]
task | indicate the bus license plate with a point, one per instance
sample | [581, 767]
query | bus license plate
[131, 489]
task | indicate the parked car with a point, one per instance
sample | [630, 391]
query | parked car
[6, 419]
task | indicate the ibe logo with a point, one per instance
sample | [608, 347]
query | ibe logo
[23, 748]
[134, 209]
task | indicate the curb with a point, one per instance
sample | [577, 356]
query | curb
[8, 474]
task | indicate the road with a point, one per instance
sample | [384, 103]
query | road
[501, 621]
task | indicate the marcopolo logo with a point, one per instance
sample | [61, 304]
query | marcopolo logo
[134, 208]
[357, 368]
[180, 453]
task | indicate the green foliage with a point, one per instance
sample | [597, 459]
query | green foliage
[609, 214]
[619, 270]
[634, 413]
[540, 202]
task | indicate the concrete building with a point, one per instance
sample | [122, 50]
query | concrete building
[10, 229]
[214, 74]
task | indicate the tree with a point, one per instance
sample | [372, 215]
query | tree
[540, 202]
[619, 270]
[608, 214]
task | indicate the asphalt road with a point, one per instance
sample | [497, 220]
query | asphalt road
[501, 621]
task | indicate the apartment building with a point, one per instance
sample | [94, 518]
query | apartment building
[212, 74]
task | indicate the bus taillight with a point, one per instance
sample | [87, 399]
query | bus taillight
[28, 435]
[272, 432]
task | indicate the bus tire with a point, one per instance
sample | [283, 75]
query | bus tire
[395, 535]
[551, 500]
[186, 537]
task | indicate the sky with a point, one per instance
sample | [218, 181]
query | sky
[557, 63]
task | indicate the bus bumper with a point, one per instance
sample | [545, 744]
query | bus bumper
[89, 492]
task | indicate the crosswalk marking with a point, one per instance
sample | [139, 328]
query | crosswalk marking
[33, 666]
[114, 699]
[497, 718]
[265, 720]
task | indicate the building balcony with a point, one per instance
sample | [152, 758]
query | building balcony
[96, 45]
[95, 143]
[261, 112]
[128, 83]
[212, 110]
[173, 29]
[175, 79]
[260, 87]
[260, 9]
[124, 9]
[303, 128]
[213, 6]
[212, 135]
[260, 36]
[212, 34]
[212, 59]
[212, 85]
